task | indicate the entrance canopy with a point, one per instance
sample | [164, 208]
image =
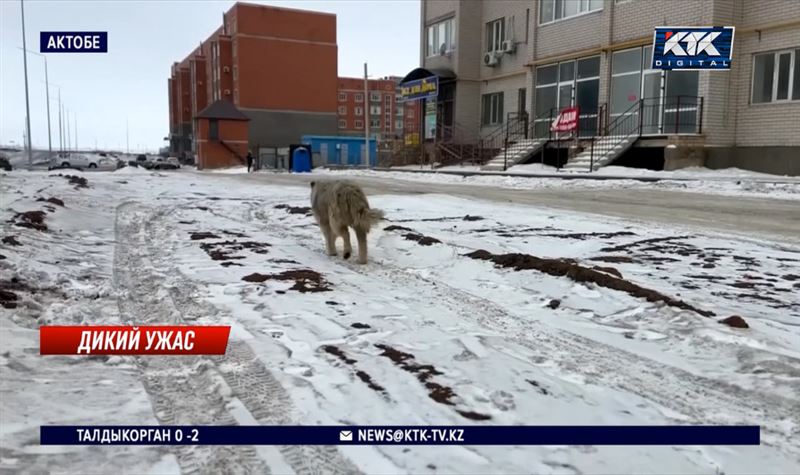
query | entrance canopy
[420, 73]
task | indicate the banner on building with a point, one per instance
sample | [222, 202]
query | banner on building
[566, 121]
[692, 48]
[425, 88]
[430, 120]
[412, 139]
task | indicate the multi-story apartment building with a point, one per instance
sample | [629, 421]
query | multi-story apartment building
[498, 60]
[276, 65]
[390, 119]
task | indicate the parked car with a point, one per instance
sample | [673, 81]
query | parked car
[81, 161]
[161, 163]
[141, 160]
[5, 164]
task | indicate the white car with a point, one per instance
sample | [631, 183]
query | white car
[81, 161]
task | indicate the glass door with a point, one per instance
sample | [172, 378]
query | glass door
[652, 101]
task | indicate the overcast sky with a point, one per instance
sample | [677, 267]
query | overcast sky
[144, 38]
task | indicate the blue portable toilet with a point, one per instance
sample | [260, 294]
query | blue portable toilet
[342, 150]
[301, 160]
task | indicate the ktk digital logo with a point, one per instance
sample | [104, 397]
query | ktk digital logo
[73, 42]
[692, 48]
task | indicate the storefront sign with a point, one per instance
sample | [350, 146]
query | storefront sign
[425, 88]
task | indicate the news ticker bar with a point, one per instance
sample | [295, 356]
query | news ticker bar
[400, 435]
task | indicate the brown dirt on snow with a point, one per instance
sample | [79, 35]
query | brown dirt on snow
[578, 273]
[424, 373]
[735, 321]
[30, 219]
[306, 210]
[421, 239]
[223, 251]
[197, 236]
[360, 374]
[584, 236]
[53, 200]
[614, 259]
[305, 280]
[11, 241]
[78, 181]
[9, 289]
[395, 227]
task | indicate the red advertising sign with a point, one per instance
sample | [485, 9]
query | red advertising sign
[566, 121]
[126, 340]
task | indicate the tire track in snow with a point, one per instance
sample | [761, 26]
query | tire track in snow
[244, 374]
[183, 390]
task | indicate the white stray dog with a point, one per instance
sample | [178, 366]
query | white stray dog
[339, 205]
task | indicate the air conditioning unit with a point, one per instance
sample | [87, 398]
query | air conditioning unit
[509, 46]
[226, 69]
[491, 59]
[227, 92]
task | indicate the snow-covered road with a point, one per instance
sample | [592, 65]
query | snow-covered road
[423, 334]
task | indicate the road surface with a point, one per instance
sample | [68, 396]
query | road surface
[772, 219]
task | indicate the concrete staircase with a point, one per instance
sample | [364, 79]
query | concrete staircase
[606, 149]
[517, 152]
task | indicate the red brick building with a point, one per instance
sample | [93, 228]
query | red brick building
[389, 118]
[278, 66]
[221, 135]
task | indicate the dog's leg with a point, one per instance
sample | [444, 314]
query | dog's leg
[330, 239]
[345, 233]
[361, 237]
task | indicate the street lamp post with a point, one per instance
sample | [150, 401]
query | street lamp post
[27, 100]
[47, 92]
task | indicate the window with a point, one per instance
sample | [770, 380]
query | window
[441, 37]
[776, 77]
[575, 82]
[410, 113]
[398, 124]
[495, 35]
[409, 125]
[342, 96]
[342, 124]
[342, 110]
[359, 124]
[375, 96]
[213, 129]
[359, 97]
[554, 10]
[492, 109]
[374, 122]
[359, 111]
[667, 99]
[375, 110]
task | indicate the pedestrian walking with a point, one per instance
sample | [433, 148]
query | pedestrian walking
[249, 161]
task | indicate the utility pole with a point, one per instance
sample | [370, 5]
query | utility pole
[76, 131]
[27, 100]
[366, 115]
[66, 119]
[127, 143]
[47, 94]
[60, 126]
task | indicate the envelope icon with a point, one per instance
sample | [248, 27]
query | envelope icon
[345, 436]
